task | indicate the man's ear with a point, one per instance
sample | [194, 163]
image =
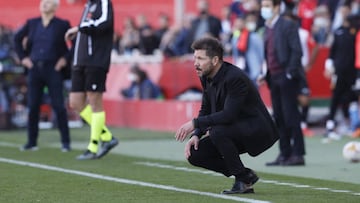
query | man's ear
[215, 60]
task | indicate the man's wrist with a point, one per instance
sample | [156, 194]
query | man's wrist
[195, 123]
[198, 136]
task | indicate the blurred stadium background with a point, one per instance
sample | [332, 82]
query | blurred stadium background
[174, 76]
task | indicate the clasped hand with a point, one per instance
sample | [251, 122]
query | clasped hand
[181, 135]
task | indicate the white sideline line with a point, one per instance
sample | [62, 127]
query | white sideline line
[127, 181]
[158, 165]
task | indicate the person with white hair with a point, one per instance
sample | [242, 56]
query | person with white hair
[43, 51]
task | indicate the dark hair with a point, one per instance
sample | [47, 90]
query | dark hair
[212, 46]
[275, 2]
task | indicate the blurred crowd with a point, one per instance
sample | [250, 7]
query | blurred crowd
[319, 17]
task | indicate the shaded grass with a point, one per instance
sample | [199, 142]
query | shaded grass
[26, 184]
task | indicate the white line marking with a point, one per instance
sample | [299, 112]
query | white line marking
[127, 181]
[321, 188]
[340, 191]
[158, 165]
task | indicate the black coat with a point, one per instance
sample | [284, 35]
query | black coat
[287, 46]
[237, 104]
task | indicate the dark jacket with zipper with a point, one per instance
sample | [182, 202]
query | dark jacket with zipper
[94, 40]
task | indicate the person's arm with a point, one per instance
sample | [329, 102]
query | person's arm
[329, 62]
[19, 36]
[21, 41]
[295, 50]
[68, 53]
[313, 55]
[62, 46]
[189, 127]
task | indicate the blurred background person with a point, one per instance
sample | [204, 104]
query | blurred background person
[116, 43]
[340, 67]
[226, 29]
[205, 24]
[283, 59]
[239, 41]
[247, 46]
[44, 55]
[173, 43]
[331, 6]
[321, 28]
[306, 13]
[148, 42]
[164, 24]
[130, 37]
[254, 55]
[141, 86]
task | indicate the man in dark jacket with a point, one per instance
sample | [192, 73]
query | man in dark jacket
[232, 120]
[90, 67]
[342, 62]
[43, 51]
[204, 24]
[283, 59]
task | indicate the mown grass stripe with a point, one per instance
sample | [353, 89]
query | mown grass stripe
[151, 164]
[127, 181]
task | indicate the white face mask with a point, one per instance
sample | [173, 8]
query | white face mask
[251, 26]
[321, 22]
[266, 13]
[131, 77]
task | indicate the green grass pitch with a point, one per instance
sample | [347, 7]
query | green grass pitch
[149, 167]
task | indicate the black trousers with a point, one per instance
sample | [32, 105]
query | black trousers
[41, 75]
[342, 94]
[220, 151]
[284, 93]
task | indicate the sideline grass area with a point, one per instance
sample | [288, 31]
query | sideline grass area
[27, 184]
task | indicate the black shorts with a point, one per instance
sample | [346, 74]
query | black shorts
[88, 79]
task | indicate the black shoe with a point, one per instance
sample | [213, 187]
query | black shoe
[295, 161]
[29, 147]
[239, 187]
[106, 147]
[280, 160]
[87, 155]
[251, 176]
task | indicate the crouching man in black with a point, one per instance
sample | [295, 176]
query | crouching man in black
[232, 120]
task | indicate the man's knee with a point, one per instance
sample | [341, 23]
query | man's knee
[194, 158]
[77, 101]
